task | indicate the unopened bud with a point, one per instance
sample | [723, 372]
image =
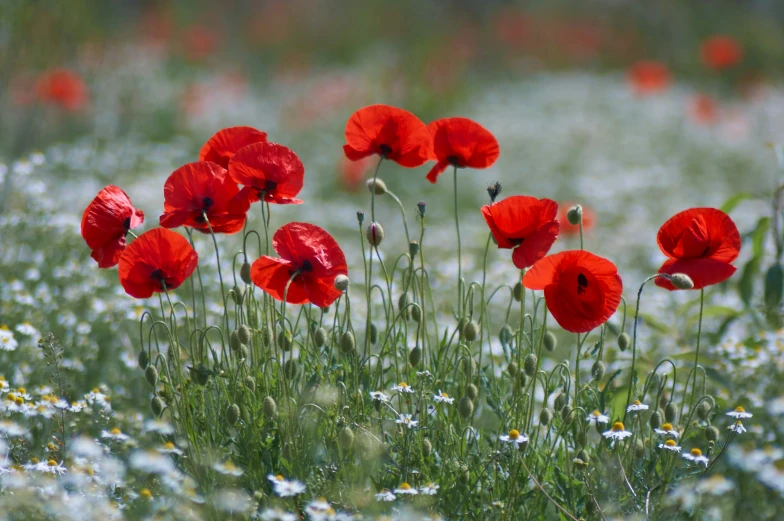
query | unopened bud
[472, 392]
[320, 337]
[427, 448]
[144, 360]
[545, 416]
[151, 375]
[421, 208]
[656, 420]
[506, 335]
[582, 438]
[360, 216]
[574, 215]
[566, 414]
[347, 342]
[639, 448]
[465, 407]
[238, 295]
[415, 356]
[374, 234]
[670, 413]
[471, 331]
[291, 368]
[244, 334]
[624, 341]
[250, 383]
[703, 409]
[560, 401]
[376, 185]
[529, 365]
[494, 190]
[284, 340]
[550, 341]
[245, 273]
[681, 281]
[469, 367]
[517, 291]
[712, 433]
[512, 369]
[233, 414]
[373, 333]
[341, 283]
[234, 341]
[413, 248]
[346, 438]
[598, 370]
[157, 406]
[416, 312]
[269, 407]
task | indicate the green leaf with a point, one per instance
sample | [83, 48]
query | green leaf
[746, 283]
[655, 323]
[774, 286]
[731, 203]
[758, 237]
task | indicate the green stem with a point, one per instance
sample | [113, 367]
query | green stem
[697, 351]
[459, 256]
[634, 344]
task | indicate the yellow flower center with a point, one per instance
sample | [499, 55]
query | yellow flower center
[737, 409]
[405, 486]
[12, 397]
[145, 493]
[279, 477]
[596, 414]
[51, 463]
[402, 384]
[636, 402]
[4, 327]
[22, 390]
[19, 400]
[695, 452]
[231, 466]
[96, 391]
[618, 427]
[34, 461]
[670, 443]
[514, 434]
[444, 395]
[168, 445]
[779, 464]
[667, 427]
[116, 432]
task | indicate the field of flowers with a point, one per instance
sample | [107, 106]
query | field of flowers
[302, 265]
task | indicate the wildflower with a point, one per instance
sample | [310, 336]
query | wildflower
[526, 224]
[77, 406]
[696, 456]
[62, 87]
[159, 260]
[567, 228]
[670, 445]
[720, 52]
[11, 429]
[169, 448]
[597, 417]
[443, 397]
[96, 397]
[700, 242]
[7, 343]
[636, 405]
[52, 467]
[703, 109]
[105, 223]
[115, 434]
[286, 488]
[667, 430]
[278, 515]
[737, 427]
[403, 387]
[269, 172]
[227, 468]
[424, 374]
[385, 495]
[222, 146]
[649, 77]
[582, 290]
[739, 412]
[406, 419]
[514, 436]
[379, 396]
[152, 462]
[389, 132]
[716, 485]
[158, 426]
[310, 259]
[462, 143]
[201, 196]
[406, 489]
[34, 465]
[617, 432]
[431, 489]
[320, 510]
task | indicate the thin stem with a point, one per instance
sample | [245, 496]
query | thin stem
[634, 344]
[459, 255]
[133, 234]
[697, 351]
[373, 192]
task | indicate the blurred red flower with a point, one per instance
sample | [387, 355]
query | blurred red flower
[567, 228]
[721, 52]
[222, 146]
[581, 290]
[703, 109]
[269, 171]
[62, 87]
[309, 257]
[389, 132]
[525, 223]
[352, 173]
[460, 142]
[199, 42]
[649, 77]
[203, 188]
[158, 258]
[106, 222]
[700, 242]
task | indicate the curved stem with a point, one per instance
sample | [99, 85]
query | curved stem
[634, 344]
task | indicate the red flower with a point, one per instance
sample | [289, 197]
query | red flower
[582, 290]
[202, 188]
[225, 143]
[524, 223]
[311, 256]
[158, 257]
[269, 171]
[389, 132]
[352, 173]
[721, 52]
[700, 242]
[62, 87]
[703, 109]
[106, 222]
[567, 228]
[462, 143]
[649, 77]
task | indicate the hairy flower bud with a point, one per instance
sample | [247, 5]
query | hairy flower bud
[413, 248]
[517, 291]
[360, 216]
[560, 401]
[250, 383]
[157, 406]
[341, 283]
[269, 407]
[712, 433]
[703, 409]
[373, 333]
[512, 369]
[346, 438]
[151, 375]
[374, 233]
[472, 392]
[545, 416]
[284, 340]
[427, 448]
[291, 368]
[421, 208]
[238, 295]
[402, 306]
[529, 365]
[681, 281]
[347, 342]
[245, 273]
[376, 185]
[670, 413]
[624, 341]
[465, 407]
[416, 312]
[597, 371]
[656, 420]
[233, 414]
[469, 367]
[471, 331]
[574, 215]
[144, 360]
[320, 337]
[415, 356]
[550, 341]
[244, 334]
[506, 335]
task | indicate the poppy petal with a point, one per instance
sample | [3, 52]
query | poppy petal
[700, 232]
[535, 246]
[390, 132]
[270, 168]
[272, 275]
[704, 272]
[222, 146]
[463, 142]
[436, 171]
[108, 255]
[356, 155]
[107, 218]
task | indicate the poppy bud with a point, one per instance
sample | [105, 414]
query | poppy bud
[233, 414]
[598, 369]
[341, 283]
[574, 215]
[427, 448]
[320, 337]
[582, 439]
[494, 190]
[624, 341]
[545, 416]
[239, 295]
[200, 375]
[373, 333]
[266, 336]
[244, 352]
[465, 474]
[250, 383]
[670, 413]
[560, 401]
[402, 302]
[416, 312]
[529, 365]
[346, 438]
[284, 340]
[703, 409]
[566, 414]
[360, 216]
[583, 455]
[422, 208]
[413, 248]
[550, 341]
[347, 342]
[465, 407]
[517, 292]
[415, 356]
[681, 281]
[291, 368]
[157, 406]
[512, 369]
[639, 448]
[143, 360]
[590, 505]
[376, 185]
[269, 407]
[244, 334]
[522, 380]
[506, 335]
[469, 367]
[472, 392]
[245, 273]
[656, 420]
[471, 331]
[374, 234]
[234, 341]
[712, 433]
[151, 375]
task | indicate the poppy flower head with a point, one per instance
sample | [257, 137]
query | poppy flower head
[159, 260]
[106, 222]
[310, 259]
[201, 189]
[700, 242]
[567, 228]
[524, 223]
[462, 143]
[269, 171]
[703, 109]
[582, 290]
[649, 77]
[62, 87]
[389, 132]
[721, 52]
[222, 146]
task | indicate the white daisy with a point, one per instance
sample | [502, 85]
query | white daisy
[514, 436]
[34, 465]
[379, 396]
[7, 341]
[430, 489]
[667, 430]
[670, 444]
[115, 434]
[636, 405]
[169, 448]
[443, 397]
[284, 487]
[403, 387]
[739, 413]
[227, 468]
[278, 515]
[716, 485]
[385, 495]
[406, 419]
[52, 467]
[696, 456]
[597, 417]
[424, 374]
[617, 432]
[737, 427]
[406, 489]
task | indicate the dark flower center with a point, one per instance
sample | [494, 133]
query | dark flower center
[493, 191]
[517, 242]
[127, 224]
[385, 150]
[269, 186]
[582, 283]
[159, 276]
[306, 266]
[453, 160]
[207, 203]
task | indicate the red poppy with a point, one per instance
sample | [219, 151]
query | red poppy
[700, 242]
[582, 290]
[199, 42]
[389, 132]
[703, 109]
[721, 52]
[156, 259]
[269, 171]
[352, 173]
[649, 77]
[200, 188]
[221, 147]
[308, 254]
[567, 228]
[524, 223]
[62, 87]
[106, 222]
[460, 142]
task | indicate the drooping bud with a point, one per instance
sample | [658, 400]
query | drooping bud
[566, 414]
[560, 401]
[402, 304]
[670, 413]
[234, 341]
[291, 368]
[416, 312]
[574, 215]
[421, 208]
[245, 273]
[654, 382]
[244, 334]
[598, 370]
[151, 375]
[347, 342]
[703, 409]
[373, 333]
[341, 283]
[624, 341]
[266, 336]
[360, 216]
[413, 248]
[157, 406]
[233, 414]
[144, 360]
[522, 380]
[320, 337]
[284, 340]
[376, 185]
[427, 448]
[506, 335]
[465, 407]
[550, 341]
[656, 420]
[374, 234]
[712, 433]
[471, 331]
[250, 383]
[415, 356]
[239, 295]
[346, 438]
[517, 292]
[545, 416]
[269, 407]
[472, 392]
[469, 367]
[639, 448]
[512, 369]
[681, 281]
[583, 455]
[494, 190]
[529, 365]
